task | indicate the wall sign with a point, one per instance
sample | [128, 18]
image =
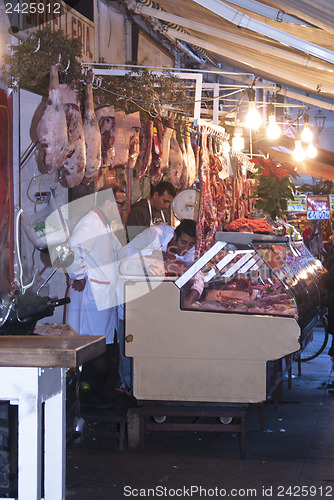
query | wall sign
[58, 15]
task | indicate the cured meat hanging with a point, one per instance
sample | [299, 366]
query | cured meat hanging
[190, 158]
[155, 167]
[73, 170]
[121, 140]
[165, 149]
[133, 130]
[52, 127]
[145, 149]
[106, 119]
[92, 135]
[184, 182]
[175, 162]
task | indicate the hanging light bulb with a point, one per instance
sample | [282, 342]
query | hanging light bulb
[306, 134]
[253, 117]
[311, 151]
[298, 153]
[273, 131]
[238, 142]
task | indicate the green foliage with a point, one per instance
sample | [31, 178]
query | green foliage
[319, 187]
[274, 187]
[29, 68]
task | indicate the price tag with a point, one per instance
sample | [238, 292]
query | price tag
[317, 214]
[332, 202]
[318, 207]
[298, 204]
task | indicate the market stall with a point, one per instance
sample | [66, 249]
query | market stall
[263, 295]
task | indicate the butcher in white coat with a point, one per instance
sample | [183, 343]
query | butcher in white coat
[93, 293]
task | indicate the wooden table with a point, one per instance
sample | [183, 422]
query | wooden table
[32, 372]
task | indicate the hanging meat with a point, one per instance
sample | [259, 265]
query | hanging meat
[184, 181]
[155, 167]
[121, 140]
[52, 128]
[106, 119]
[145, 149]
[190, 161]
[165, 149]
[133, 131]
[175, 158]
[207, 218]
[196, 149]
[73, 170]
[92, 135]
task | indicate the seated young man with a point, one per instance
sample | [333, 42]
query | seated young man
[174, 247]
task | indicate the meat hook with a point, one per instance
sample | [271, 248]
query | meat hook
[38, 46]
[97, 82]
[68, 65]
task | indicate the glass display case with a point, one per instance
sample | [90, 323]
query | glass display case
[262, 296]
[259, 274]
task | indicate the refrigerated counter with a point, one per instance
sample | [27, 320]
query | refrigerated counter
[263, 295]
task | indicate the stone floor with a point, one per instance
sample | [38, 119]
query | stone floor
[292, 457]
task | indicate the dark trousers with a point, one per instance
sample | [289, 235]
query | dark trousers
[99, 375]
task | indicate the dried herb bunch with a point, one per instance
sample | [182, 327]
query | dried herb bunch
[145, 91]
[28, 66]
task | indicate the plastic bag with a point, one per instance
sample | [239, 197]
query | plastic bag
[46, 227]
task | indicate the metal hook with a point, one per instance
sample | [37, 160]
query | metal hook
[97, 82]
[68, 65]
[38, 46]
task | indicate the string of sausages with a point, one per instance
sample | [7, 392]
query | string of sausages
[219, 197]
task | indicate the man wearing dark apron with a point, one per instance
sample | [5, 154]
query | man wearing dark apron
[149, 212]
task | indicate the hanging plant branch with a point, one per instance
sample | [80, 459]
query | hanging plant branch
[144, 91]
[274, 186]
[28, 66]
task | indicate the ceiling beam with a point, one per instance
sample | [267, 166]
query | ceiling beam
[243, 21]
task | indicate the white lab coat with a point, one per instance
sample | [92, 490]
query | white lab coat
[94, 310]
[157, 238]
[154, 238]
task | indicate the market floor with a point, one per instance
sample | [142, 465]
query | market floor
[292, 457]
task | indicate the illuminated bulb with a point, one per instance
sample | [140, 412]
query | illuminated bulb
[273, 130]
[298, 153]
[238, 143]
[311, 150]
[253, 117]
[306, 134]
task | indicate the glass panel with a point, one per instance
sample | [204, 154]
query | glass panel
[239, 281]
[272, 276]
